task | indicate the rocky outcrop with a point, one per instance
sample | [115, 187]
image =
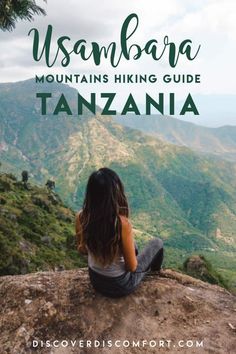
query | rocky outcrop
[62, 307]
[198, 267]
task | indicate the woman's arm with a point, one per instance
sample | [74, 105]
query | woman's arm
[81, 247]
[128, 245]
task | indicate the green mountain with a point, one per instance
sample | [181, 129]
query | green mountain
[36, 229]
[187, 199]
[220, 142]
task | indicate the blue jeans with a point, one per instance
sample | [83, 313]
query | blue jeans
[149, 259]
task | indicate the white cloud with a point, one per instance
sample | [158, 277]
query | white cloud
[211, 23]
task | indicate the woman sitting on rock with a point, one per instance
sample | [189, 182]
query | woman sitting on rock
[104, 232]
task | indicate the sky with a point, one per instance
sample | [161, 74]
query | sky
[209, 23]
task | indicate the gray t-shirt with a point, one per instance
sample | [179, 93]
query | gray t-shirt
[115, 269]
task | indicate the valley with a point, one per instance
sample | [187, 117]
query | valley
[187, 199]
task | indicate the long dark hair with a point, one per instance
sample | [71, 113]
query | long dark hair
[104, 203]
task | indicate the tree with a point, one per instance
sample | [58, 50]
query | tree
[25, 176]
[13, 10]
[50, 184]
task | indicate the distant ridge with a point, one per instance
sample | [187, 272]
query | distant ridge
[220, 142]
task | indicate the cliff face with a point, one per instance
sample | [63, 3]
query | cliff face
[62, 307]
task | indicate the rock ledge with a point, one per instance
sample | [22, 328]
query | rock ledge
[63, 306]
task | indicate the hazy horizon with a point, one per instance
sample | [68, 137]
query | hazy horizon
[207, 118]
